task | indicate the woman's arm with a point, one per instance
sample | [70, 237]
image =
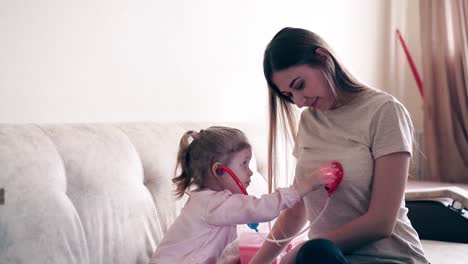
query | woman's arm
[390, 176]
[289, 223]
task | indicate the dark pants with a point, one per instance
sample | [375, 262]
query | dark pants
[320, 251]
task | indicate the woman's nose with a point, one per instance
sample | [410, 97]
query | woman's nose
[299, 100]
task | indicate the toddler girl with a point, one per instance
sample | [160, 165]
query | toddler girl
[207, 223]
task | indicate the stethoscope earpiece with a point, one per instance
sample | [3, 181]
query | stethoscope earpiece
[224, 169]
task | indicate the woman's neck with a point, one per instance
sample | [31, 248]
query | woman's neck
[346, 97]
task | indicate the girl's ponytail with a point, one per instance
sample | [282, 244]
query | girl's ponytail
[184, 179]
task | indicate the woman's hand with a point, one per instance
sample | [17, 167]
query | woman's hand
[232, 260]
[290, 257]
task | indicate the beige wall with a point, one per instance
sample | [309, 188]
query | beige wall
[147, 60]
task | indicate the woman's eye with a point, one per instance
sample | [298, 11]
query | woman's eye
[300, 86]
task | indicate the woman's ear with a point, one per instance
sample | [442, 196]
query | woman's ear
[323, 55]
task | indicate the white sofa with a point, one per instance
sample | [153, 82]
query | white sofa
[96, 193]
[89, 193]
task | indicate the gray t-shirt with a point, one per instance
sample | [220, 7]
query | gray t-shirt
[356, 134]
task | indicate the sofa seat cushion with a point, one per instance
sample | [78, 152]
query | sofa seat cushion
[445, 252]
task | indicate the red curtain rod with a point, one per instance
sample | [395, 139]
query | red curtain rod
[414, 70]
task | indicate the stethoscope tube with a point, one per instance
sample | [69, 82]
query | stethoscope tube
[234, 177]
[254, 226]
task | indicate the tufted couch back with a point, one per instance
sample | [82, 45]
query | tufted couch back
[92, 193]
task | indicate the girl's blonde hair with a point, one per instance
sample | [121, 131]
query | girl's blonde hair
[198, 151]
[293, 47]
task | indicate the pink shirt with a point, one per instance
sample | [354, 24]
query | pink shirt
[207, 223]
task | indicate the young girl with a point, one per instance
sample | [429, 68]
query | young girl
[207, 223]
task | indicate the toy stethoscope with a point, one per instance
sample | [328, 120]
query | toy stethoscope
[330, 188]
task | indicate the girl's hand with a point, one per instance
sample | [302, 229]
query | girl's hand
[311, 179]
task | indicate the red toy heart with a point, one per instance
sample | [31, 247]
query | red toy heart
[331, 187]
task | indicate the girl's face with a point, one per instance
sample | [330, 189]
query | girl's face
[240, 166]
[306, 86]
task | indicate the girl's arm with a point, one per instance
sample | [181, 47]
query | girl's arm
[390, 176]
[231, 209]
[289, 223]
[244, 209]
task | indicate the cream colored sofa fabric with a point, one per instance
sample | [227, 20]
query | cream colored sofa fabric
[89, 193]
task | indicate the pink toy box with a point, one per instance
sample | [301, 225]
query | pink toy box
[250, 242]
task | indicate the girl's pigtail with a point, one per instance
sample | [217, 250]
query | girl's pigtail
[184, 179]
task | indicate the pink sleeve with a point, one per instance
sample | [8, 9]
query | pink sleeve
[231, 209]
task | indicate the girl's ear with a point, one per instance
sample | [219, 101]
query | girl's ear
[215, 169]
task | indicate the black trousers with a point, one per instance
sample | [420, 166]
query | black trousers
[320, 251]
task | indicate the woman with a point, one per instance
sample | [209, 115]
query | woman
[368, 131]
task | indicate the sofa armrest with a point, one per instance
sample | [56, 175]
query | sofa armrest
[458, 195]
[439, 213]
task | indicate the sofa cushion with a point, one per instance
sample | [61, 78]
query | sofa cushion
[74, 194]
[38, 220]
